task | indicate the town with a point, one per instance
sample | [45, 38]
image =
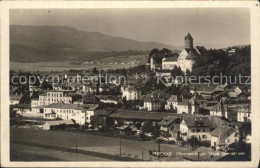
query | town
[177, 117]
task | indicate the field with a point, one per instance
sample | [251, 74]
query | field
[31, 144]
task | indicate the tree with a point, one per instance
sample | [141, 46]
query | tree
[153, 51]
[95, 71]
[194, 142]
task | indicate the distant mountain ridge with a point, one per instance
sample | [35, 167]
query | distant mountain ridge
[61, 43]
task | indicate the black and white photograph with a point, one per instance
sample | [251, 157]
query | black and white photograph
[135, 85]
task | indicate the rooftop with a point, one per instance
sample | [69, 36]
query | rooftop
[73, 106]
[141, 115]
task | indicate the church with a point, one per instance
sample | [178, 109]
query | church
[185, 60]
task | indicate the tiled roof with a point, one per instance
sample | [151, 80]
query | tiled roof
[170, 59]
[151, 99]
[167, 120]
[173, 98]
[73, 106]
[16, 97]
[141, 115]
[184, 102]
[188, 36]
[59, 122]
[222, 132]
[192, 121]
[26, 106]
[220, 87]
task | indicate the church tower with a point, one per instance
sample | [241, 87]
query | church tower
[188, 41]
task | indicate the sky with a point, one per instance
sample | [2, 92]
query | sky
[209, 27]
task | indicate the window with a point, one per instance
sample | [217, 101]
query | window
[198, 130]
[204, 130]
[204, 136]
[193, 130]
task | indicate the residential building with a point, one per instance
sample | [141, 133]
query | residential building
[222, 136]
[184, 107]
[15, 99]
[55, 96]
[130, 92]
[80, 113]
[170, 126]
[152, 103]
[172, 102]
[244, 115]
[169, 63]
[194, 125]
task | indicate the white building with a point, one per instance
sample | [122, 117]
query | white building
[185, 60]
[183, 107]
[130, 92]
[152, 103]
[53, 96]
[80, 113]
[169, 63]
[244, 115]
[222, 136]
[172, 102]
[195, 126]
[15, 99]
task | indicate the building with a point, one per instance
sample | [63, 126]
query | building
[169, 63]
[218, 110]
[50, 124]
[244, 115]
[15, 99]
[185, 60]
[222, 136]
[152, 103]
[170, 126]
[80, 113]
[184, 107]
[172, 102]
[198, 126]
[130, 92]
[54, 96]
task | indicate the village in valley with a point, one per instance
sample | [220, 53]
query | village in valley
[153, 111]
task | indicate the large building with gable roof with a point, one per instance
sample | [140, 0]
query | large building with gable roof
[185, 60]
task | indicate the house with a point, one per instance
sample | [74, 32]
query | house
[130, 92]
[50, 124]
[169, 63]
[195, 125]
[222, 136]
[172, 102]
[170, 126]
[184, 107]
[108, 99]
[55, 96]
[220, 88]
[101, 118]
[218, 109]
[244, 114]
[152, 103]
[185, 59]
[15, 99]
[80, 113]
[21, 108]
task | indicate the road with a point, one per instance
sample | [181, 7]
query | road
[32, 144]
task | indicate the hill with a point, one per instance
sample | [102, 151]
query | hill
[61, 43]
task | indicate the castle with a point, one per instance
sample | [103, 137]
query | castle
[185, 60]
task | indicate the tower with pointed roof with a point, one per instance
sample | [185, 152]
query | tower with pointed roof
[188, 41]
